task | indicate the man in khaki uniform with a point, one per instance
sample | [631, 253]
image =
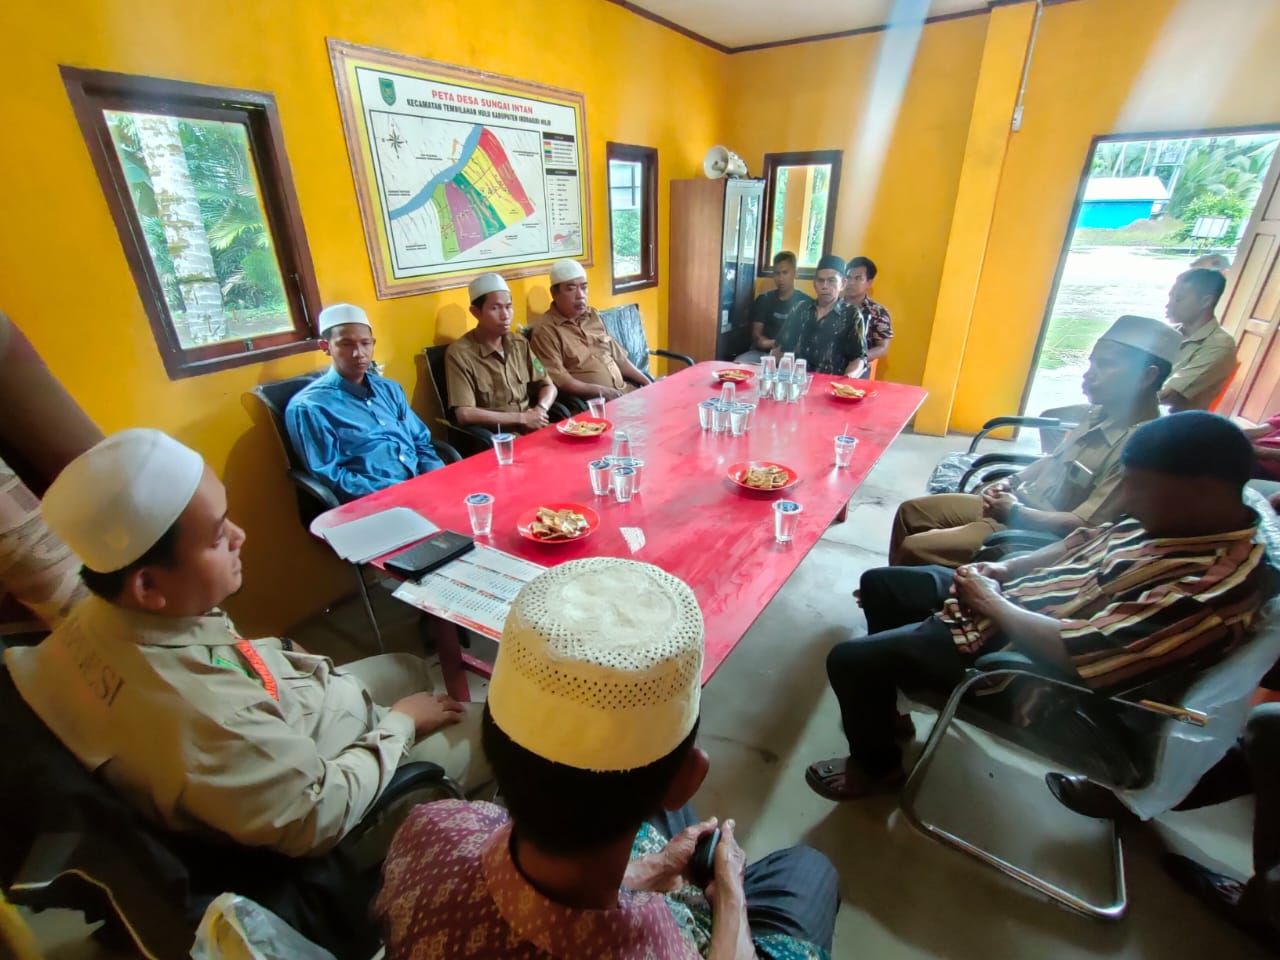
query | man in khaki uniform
[148, 683]
[573, 344]
[491, 373]
[1073, 487]
[1208, 354]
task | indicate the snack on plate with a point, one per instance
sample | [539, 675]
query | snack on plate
[583, 428]
[766, 478]
[558, 524]
[847, 392]
[735, 376]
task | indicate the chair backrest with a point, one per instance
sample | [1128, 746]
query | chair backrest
[435, 373]
[275, 397]
[625, 326]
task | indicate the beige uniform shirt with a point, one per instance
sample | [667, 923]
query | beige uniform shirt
[480, 376]
[1082, 475]
[178, 722]
[580, 348]
[1205, 361]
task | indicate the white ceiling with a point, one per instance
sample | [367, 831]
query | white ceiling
[739, 23]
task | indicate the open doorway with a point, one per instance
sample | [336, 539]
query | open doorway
[1146, 208]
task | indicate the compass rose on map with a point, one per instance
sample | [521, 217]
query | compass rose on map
[394, 140]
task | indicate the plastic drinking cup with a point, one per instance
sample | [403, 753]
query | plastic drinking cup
[748, 411]
[504, 447]
[624, 483]
[794, 386]
[480, 510]
[720, 417]
[786, 517]
[768, 367]
[705, 409]
[808, 385]
[636, 464]
[621, 444]
[845, 445]
[728, 392]
[737, 420]
[601, 476]
[781, 386]
[595, 407]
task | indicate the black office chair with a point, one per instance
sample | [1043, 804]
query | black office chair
[471, 437]
[964, 471]
[315, 497]
[71, 842]
[625, 326]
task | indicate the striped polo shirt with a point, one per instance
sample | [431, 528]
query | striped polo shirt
[1134, 607]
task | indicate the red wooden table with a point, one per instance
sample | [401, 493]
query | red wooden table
[696, 524]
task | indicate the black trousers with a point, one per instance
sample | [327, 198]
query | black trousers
[1253, 766]
[793, 891]
[907, 648]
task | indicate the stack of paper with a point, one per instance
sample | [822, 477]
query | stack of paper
[361, 540]
[474, 591]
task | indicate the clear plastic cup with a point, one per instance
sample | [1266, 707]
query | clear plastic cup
[794, 388]
[728, 393]
[738, 419]
[801, 369]
[845, 445]
[504, 447]
[786, 365]
[636, 464]
[601, 476]
[786, 517]
[480, 510]
[705, 409]
[781, 387]
[768, 367]
[595, 407]
[808, 385]
[720, 417]
[624, 483]
[621, 444]
[747, 410]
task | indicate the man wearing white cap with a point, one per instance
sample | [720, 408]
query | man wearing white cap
[352, 427]
[492, 376]
[590, 726]
[573, 344]
[148, 683]
[1076, 485]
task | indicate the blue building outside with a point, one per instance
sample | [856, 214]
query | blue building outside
[1114, 202]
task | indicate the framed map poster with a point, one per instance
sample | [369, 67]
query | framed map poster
[460, 172]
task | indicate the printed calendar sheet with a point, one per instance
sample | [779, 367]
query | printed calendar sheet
[475, 591]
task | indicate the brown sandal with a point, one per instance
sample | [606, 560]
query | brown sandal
[838, 779]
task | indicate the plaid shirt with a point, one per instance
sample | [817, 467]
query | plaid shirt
[1134, 607]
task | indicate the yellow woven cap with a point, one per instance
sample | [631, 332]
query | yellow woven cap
[600, 665]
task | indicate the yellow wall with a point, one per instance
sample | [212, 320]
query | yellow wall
[1100, 67]
[819, 96]
[66, 282]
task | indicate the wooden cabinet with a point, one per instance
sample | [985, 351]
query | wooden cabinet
[715, 240]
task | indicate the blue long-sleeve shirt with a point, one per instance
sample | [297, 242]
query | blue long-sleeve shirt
[359, 439]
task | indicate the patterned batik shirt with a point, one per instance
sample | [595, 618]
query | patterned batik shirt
[876, 326]
[1134, 607]
[827, 345]
[451, 889]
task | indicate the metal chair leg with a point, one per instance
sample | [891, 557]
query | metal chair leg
[915, 783]
[368, 606]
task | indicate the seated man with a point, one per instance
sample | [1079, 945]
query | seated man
[352, 427]
[148, 683]
[491, 373]
[823, 332]
[1076, 485]
[1174, 586]
[1212, 261]
[1208, 353]
[773, 310]
[590, 726]
[573, 344]
[873, 318]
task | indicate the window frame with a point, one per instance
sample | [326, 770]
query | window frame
[800, 158]
[647, 157]
[94, 91]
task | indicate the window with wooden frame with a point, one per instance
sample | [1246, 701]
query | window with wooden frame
[199, 186]
[800, 207]
[633, 216]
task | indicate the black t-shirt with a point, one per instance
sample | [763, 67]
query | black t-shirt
[774, 312]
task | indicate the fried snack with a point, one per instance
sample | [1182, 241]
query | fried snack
[847, 392]
[735, 376]
[558, 524]
[582, 428]
[766, 478]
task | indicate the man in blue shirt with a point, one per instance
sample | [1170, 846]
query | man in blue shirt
[353, 427]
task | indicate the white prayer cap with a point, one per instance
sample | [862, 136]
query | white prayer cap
[563, 270]
[113, 503]
[484, 285]
[600, 665]
[339, 314]
[1146, 333]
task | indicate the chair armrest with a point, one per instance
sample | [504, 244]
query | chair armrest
[671, 355]
[1047, 674]
[574, 404]
[558, 411]
[474, 431]
[409, 778]
[997, 423]
[448, 453]
[313, 488]
[1004, 542]
[992, 459]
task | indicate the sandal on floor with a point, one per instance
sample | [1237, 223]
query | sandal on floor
[838, 779]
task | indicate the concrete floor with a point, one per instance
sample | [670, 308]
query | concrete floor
[768, 713]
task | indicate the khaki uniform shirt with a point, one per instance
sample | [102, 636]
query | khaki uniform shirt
[181, 725]
[501, 381]
[1205, 361]
[1080, 476]
[580, 348]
